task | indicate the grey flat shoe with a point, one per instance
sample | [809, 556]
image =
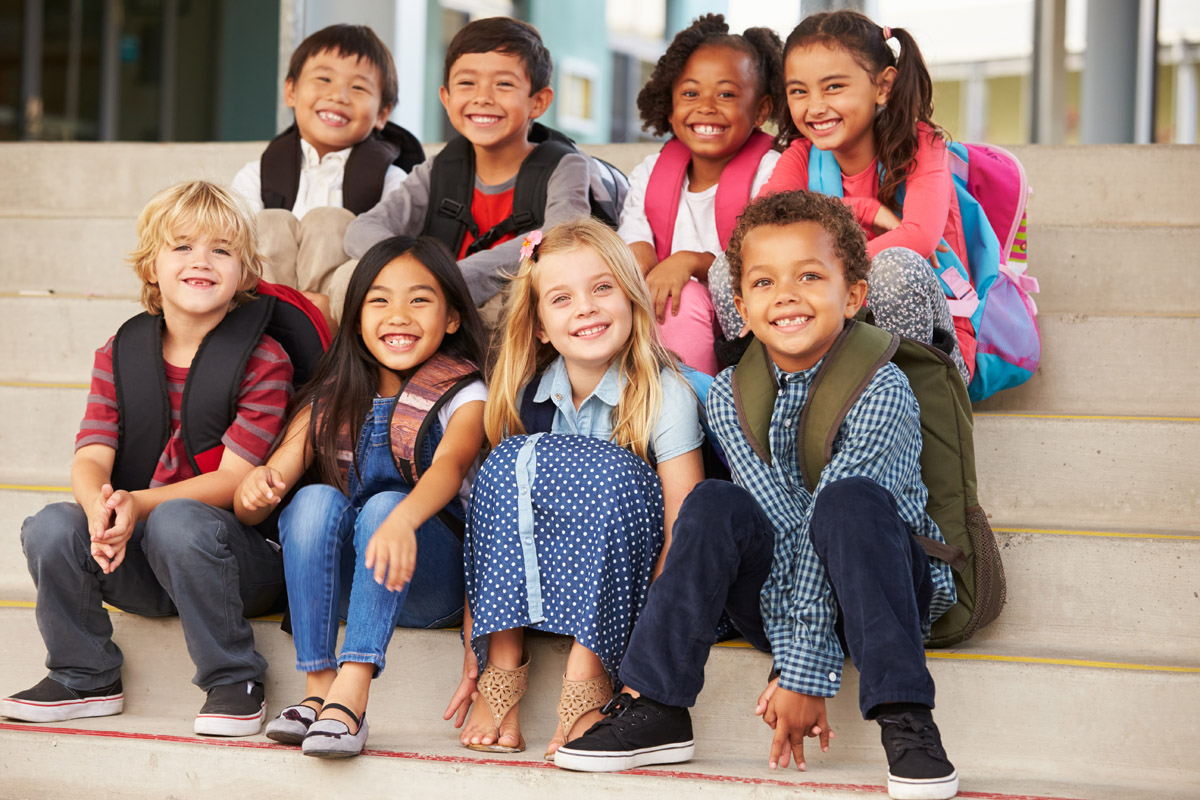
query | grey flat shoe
[293, 722]
[331, 738]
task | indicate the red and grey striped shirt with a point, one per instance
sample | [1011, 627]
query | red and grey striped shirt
[261, 402]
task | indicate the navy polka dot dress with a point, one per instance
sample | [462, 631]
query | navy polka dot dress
[562, 536]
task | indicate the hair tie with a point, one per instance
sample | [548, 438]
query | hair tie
[887, 33]
[529, 247]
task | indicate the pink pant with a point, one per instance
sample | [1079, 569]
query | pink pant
[691, 333]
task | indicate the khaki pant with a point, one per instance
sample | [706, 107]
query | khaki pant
[303, 253]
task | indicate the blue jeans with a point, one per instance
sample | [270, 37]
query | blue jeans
[187, 558]
[325, 534]
[721, 553]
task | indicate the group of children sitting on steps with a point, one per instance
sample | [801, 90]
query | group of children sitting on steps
[561, 484]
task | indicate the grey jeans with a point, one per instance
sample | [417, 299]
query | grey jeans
[188, 558]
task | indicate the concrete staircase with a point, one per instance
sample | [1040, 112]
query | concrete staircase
[1086, 687]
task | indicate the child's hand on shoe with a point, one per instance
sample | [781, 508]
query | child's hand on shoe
[466, 693]
[263, 486]
[792, 716]
[392, 553]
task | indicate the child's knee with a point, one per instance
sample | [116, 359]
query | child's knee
[373, 513]
[849, 509]
[311, 516]
[718, 510]
[898, 267]
[181, 529]
[56, 532]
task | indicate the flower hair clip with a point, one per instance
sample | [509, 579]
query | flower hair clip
[529, 247]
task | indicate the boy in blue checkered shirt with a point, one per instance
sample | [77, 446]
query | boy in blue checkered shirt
[802, 575]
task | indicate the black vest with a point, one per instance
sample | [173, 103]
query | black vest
[362, 186]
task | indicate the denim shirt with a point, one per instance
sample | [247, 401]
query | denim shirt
[676, 432]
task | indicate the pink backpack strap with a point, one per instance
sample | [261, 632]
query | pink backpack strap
[662, 193]
[737, 179]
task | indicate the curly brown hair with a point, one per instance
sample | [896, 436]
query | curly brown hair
[911, 99]
[786, 208]
[762, 45]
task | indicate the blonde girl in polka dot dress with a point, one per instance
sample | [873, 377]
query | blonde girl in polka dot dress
[568, 526]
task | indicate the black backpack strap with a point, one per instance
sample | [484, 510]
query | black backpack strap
[279, 170]
[451, 187]
[299, 338]
[856, 355]
[367, 166]
[529, 194]
[536, 417]
[143, 407]
[209, 403]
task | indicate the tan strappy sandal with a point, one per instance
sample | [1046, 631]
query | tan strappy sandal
[577, 699]
[502, 689]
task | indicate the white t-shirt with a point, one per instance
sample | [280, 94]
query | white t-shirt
[472, 392]
[320, 180]
[696, 222]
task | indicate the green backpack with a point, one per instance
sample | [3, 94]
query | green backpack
[947, 452]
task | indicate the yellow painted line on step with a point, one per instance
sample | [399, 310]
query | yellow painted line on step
[1101, 533]
[1065, 662]
[20, 487]
[17, 604]
[45, 385]
[1089, 417]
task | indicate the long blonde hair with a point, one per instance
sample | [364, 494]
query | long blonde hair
[522, 356]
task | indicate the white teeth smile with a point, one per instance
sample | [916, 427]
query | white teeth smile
[790, 321]
[480, 119]
[399, 340]
[198, 282]
[333, 118]
[709, 130]
[591, 331]
[823, 126]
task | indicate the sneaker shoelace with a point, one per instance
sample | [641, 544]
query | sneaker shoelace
[621, 713]
[910, 733]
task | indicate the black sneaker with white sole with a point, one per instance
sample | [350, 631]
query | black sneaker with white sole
[51, 701]
[234, 709]
[637, 731]
[918, 768]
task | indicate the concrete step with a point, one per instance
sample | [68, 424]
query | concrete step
[1073, 185]
[1088, 473]
[1128, 473]
[1091, 364]
[1124, 365]
[1081, 269]
[1061, 585]
[1058, 732]
[1115, 269]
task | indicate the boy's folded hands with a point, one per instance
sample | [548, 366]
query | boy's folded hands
[792, 716]
[110, 522]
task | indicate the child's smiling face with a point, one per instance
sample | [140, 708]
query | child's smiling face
[489, 99]
[715, 102]
[582, 312]
[197, 275]
[405, 316]
[794, 294]
[832, 100]
[337, 101]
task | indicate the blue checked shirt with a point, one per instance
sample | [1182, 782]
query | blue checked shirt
[880, 439]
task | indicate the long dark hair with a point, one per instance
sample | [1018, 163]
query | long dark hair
[347, 376]
[910, 102]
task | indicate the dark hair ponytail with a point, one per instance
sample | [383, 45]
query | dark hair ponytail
[346, 378]
[911, 99]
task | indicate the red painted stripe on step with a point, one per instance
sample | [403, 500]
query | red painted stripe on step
[497, 762]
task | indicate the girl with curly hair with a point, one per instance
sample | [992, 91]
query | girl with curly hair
[711, 91]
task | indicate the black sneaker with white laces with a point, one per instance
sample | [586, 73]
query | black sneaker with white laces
[918, 768]
[637, 731]
[51, 701]
[234, 709]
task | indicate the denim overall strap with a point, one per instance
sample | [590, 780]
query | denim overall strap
[526, 474]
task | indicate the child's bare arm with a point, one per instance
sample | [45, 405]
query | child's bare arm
[392, 551]
[264, 487]
[679, 476]
[666, 281]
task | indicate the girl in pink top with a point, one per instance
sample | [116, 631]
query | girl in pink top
[850, 95]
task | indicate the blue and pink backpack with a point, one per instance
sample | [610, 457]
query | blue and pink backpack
[992, 290]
